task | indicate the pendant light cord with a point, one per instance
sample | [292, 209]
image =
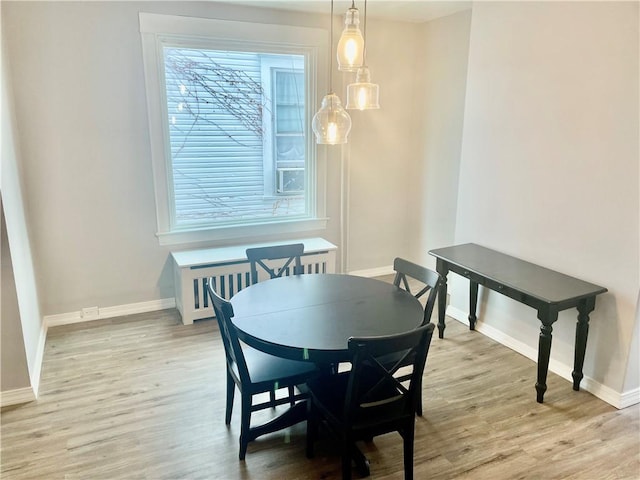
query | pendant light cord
[331, 50]
[364, 36]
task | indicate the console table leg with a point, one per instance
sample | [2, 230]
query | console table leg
[544, 351]
[585, 307]
[473, 304]
[443, 270]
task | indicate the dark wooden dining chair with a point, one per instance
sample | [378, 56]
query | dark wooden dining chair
[254, 372]
[287, 254]
[428, 282]
[370, 400]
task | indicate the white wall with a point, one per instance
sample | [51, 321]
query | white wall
[442, 58]
[549, 168]
[405, 157]
[383, 149]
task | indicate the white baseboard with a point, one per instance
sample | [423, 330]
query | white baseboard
[109, 312]
[630, 397]
[17, 396]
[374, 272]
[617, 399]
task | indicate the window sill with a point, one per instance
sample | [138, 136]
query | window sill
[240, 232]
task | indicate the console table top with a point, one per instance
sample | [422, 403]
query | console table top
[542, 283]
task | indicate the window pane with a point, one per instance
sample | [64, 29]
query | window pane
[217, 108]
[290, 180]
[290, 87]
[290, 149]
[289, 119]
[289, 102]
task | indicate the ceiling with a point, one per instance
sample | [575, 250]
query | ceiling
[400, 10]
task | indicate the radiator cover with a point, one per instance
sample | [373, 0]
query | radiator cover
[230, 270]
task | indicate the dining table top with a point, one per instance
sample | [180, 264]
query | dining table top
[311, 317]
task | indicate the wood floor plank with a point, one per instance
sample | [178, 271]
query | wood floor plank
[142, 397]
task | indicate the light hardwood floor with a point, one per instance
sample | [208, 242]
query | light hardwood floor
[142, 397]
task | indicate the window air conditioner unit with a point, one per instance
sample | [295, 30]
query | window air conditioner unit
[290, 180]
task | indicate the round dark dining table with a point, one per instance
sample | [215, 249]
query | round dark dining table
[311, 317]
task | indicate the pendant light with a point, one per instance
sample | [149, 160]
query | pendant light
[331, 124]
[363, 95]
[351, 43]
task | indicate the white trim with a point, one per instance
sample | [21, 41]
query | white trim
[310, 42]
[374, 272]
[226, 29]
[35, 375]
[17, 396]
[109, 312]
[607, 394]
[630, 397]
[241, 232]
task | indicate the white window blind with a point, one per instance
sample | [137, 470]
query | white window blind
[216, 102]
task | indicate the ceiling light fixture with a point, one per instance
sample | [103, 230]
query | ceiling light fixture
[351, 43]
[363, 95]
[331, 124]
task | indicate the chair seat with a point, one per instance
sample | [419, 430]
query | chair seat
[266, 369]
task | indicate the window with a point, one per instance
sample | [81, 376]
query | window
[285, 129]
[229, 117]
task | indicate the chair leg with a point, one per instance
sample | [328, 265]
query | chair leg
[245, 424]
[312, 428]
[419, 406]
[272, 398]
[346, 459]
[231, 389]
[408, 438]
[362, 463]
[346, 466]
[292, 393]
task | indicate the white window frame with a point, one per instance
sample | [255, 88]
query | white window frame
[158, 30]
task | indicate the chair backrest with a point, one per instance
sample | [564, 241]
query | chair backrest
[232, 350]
[291, 253]
[430, 283]
[375, 392]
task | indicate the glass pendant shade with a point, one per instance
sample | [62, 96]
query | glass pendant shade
[363, 95]
[331, 124]
[351, 43]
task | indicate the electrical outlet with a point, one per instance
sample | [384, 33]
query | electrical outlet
[90, 312]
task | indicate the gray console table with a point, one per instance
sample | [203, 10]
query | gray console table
[548, 291]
